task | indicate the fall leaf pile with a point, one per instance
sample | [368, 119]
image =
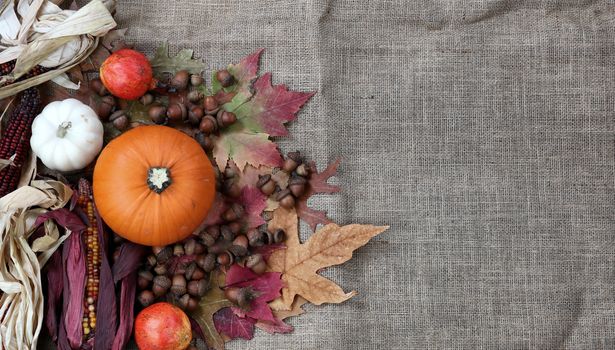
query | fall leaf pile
[183, 210]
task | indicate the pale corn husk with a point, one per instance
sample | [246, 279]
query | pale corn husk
[21, 294]
[38, 32]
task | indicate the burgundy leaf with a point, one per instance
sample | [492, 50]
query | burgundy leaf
[318, 184]
[196, 328]
[271, 107]
[178, 264]
[106, 318]
[231, 325]
[254, 202]
[64, 218]
[277, 326]
[219, 206]
[55, 282]
[267, 286]
[127, 304]
[268, 249]
[131, 256]
[74, 289]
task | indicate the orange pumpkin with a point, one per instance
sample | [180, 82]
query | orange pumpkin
[153, 185]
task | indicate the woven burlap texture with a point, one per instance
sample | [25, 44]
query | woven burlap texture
[483, 132]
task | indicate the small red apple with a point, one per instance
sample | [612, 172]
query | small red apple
[162, 326]
[127, 74]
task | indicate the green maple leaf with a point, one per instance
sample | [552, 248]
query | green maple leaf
[209, 304]
[245, 147]
[162, 63]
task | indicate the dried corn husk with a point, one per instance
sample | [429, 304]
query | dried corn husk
[21, 294]
[38, 32]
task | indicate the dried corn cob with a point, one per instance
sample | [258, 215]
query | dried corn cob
[7, 67]
[16, 139]
[93, 258]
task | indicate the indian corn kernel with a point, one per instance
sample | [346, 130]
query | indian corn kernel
[93, 254]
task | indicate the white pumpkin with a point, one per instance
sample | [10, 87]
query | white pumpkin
[67, 135]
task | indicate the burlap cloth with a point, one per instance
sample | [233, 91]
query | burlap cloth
[483, 132]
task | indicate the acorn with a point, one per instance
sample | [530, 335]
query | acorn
[257, 263]
[195, 115]
[225, 118]
[296, 185]
[235, 226]
[240, 296]
[231, 188]
[119, 119]
[193, 272]
[189, 246]
[158, 114]
[178, 250]
[278, 235]
[255, 238]
[98, 87]
[182, 301]
[229, 172]
[227, 234]
[151, 261]
[204, 141]
[147, 99]
[180, 80]
[207, 263]
[238, 251]
[303, 170]
[208, 124]
[210, 104]
[146, 298]
[207, 239]
[177, 111]
[164, 255]
[285, 198]
[225, 78]
[144, 279]
[198, 248]
[198, 288]
[242, 241]
[193, 304]
[194, 96]
[233, 213]
[266, 184]
[160, 270]
[196, 80]
[225, 259]
[292, 161]
[214, 231]
[104, 108]
[161, 285]
[178, 286]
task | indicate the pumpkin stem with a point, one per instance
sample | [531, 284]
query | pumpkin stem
[158, 179]
[63, 129]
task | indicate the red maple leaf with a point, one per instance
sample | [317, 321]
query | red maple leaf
[267, 287]
[254, 202]
[233, 326]
[271, 107]
[245, 147]
[318, 184]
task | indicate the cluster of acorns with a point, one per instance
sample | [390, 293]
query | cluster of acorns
[299, 172]
[180, 272]
[191, 106]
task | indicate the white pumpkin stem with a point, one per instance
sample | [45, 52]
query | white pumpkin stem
[63, 129]
[158, 179]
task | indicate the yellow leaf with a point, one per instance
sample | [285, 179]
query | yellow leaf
[299, 263]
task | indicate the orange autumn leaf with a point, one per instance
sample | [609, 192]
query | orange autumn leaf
[300, 262]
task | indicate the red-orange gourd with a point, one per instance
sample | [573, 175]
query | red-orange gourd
[127, 74]
[162, 326]
[153, 185]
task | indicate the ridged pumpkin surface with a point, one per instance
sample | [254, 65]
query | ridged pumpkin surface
[129, 205]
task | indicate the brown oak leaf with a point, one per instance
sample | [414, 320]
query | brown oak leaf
[300, 262]
[209, 304]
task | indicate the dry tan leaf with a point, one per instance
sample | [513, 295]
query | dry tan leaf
[295, 310]
[299, 263]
